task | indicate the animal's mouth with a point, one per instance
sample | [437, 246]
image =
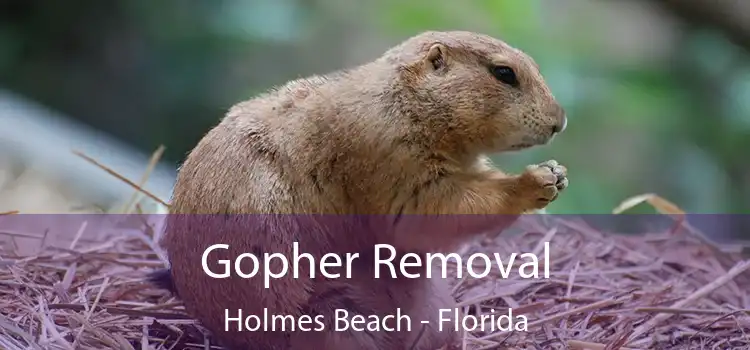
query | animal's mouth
[529, 142]
[520, 146]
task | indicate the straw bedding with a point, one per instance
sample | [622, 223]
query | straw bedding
[664, 290]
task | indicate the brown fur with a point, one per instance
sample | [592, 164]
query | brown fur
[407, 133]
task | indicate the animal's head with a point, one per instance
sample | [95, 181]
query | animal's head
[477, 91]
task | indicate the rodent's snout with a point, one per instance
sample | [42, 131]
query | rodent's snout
[561, 125]
[561, 120]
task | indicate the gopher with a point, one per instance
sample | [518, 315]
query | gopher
[406, 134]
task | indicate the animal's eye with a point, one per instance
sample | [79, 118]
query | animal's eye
[505, 74]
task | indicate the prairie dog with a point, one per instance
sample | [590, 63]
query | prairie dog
[407, 133]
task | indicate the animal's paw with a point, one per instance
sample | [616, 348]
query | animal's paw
[542, 183]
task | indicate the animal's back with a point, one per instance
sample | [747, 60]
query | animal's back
[270, 158]
[236, 169]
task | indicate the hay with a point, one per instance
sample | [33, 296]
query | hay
[604, 290]
[670, 290]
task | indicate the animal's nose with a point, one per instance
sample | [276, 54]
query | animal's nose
[560, 126]
[561, 120]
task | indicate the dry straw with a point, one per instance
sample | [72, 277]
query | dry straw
[658, 290]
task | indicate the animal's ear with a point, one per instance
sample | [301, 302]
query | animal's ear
[436, 57]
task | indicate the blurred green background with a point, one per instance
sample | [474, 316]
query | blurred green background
[657, 92]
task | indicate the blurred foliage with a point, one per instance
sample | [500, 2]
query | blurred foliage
[153, 72]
